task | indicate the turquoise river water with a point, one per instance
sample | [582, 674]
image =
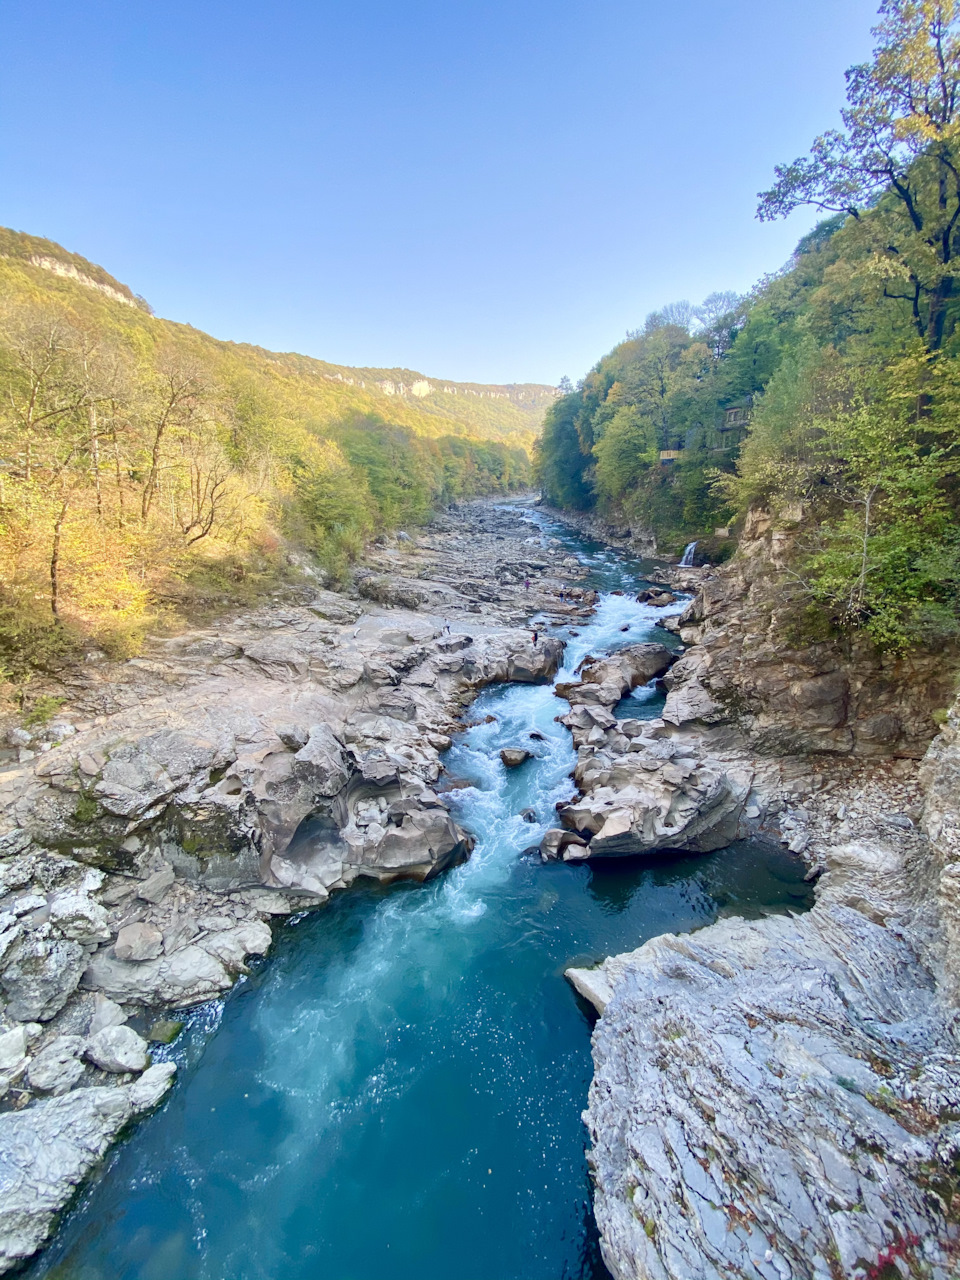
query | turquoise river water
[396, 1093]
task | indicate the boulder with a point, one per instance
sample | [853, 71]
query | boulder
[514, 756]
[106, 1013]
[13, 1049]
[57, 1067]
[418, 843]
[154, 888]
[138, 942]
[77, 916]
[40, 976]
[605, 681]
[651, 798]
[190, 974]
[117, 1049]
[556, 841]
[632, 666]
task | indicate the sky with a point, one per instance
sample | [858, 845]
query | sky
[483, 190]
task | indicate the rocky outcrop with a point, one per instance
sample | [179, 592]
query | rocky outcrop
[182, 799]
[764, 659]
[46, 1152]
[637, 540]
[604, 681]
[643, 785]
[643, 788]
[778, 1097]
[940, 777]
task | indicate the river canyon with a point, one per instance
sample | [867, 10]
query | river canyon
[396, 1088]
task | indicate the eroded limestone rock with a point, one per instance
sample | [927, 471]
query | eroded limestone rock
[117, 1048]
[47, 1150]
[771, 1097]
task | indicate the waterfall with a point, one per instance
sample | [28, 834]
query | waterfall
[686, 560]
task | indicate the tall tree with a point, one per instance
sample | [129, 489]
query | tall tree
[895, 167]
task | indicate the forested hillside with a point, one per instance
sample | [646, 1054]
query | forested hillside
[829, 396]
[149, 469]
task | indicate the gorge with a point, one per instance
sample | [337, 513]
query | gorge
[419, 1042]
[394, 1005]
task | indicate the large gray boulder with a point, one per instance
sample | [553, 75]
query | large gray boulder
[57, 1067]
[39, 976]
[663, 809]
[139, 941]
[117, 1049]
[513, 657]
[605, 681]
[47, 1150]
[191, 973]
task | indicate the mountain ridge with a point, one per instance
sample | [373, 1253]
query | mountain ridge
[435, 394]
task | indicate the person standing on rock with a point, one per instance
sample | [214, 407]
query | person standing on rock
[526, 584]
[536, 636]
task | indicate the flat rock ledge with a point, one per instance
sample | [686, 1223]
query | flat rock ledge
[46, 1152]
[780, 1097]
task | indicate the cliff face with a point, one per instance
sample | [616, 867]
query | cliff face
[763, 661]
[940, 778]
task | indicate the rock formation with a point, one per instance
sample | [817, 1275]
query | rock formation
[761, 659]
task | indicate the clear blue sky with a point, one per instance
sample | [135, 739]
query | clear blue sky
[489, 190]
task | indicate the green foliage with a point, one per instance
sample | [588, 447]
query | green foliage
[662, 389]
[42, 711]
[848, 362]
[561, 461]
[86, 809]
[149, 469]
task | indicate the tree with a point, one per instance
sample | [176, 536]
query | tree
[895, 167]
[180, 387]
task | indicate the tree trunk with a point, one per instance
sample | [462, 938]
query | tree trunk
[95, 456]
[938, 313]
[55, 560]
[119, 475]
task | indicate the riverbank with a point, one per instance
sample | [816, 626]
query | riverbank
[779, 1097]
[241, 775]
[232, 776]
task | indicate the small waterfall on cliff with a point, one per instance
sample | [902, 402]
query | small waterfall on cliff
[686, 560]
[397, 1090]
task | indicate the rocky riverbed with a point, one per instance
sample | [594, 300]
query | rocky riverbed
[771, 1098]
[229, 776]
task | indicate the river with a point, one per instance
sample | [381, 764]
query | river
[395, 1094]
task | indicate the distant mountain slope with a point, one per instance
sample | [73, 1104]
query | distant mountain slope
[430, 406]
[147, 467]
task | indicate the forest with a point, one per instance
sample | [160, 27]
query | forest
[149, 473]
[830, 395]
